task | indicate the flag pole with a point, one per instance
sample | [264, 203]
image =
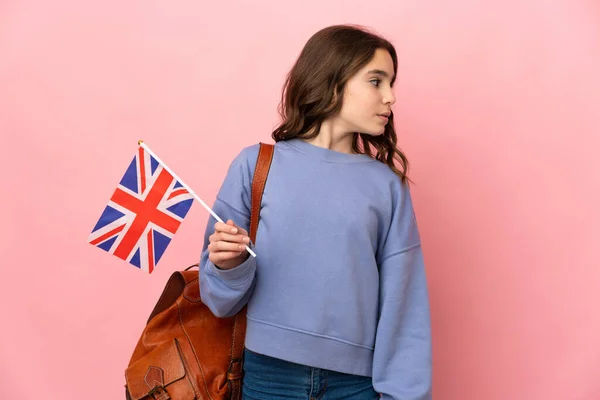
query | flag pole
[142, 144]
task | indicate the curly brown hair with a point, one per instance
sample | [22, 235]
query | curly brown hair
[314, 88]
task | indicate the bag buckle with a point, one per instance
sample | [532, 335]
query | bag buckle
[235, 371]
[159, 393]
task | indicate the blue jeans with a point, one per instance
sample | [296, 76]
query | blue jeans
[267, 378]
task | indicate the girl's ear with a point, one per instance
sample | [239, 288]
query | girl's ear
[337, 94]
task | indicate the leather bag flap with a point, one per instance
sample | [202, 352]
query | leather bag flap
[160, 367]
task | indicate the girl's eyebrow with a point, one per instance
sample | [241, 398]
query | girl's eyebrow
[380, 72]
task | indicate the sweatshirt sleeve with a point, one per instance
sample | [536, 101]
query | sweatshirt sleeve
[402, 367]
[226, 292]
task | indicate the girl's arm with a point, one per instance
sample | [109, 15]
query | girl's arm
[226, 291]
[402, 358]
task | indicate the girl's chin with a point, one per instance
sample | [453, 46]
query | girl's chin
[374, 132]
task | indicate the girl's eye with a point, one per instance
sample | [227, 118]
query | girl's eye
[375, 82]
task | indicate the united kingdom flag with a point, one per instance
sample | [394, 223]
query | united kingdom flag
[143, 214]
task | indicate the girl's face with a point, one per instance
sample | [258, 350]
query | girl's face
[368, 97]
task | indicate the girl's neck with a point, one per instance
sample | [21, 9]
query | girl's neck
[331, 138]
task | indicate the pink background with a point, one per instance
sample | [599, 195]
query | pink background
[498, 109]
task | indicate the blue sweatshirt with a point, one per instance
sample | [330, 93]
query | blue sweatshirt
[338, 282]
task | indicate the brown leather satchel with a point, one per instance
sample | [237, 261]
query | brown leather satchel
[185, 352]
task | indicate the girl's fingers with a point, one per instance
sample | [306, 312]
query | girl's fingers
[221, 246]
[231, 229]
[228, 227]
[228, 237]
[216, 258]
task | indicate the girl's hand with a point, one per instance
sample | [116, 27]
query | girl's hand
[227, 248]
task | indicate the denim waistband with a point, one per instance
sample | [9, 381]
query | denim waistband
[273, 378]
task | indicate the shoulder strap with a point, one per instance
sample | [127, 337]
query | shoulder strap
[261, 172]
[263, 164]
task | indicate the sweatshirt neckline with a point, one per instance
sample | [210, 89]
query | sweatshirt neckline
[327, 155]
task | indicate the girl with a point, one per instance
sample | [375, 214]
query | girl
[337, 296]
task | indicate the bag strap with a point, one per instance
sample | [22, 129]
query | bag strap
[235, 372]
[261, 172]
